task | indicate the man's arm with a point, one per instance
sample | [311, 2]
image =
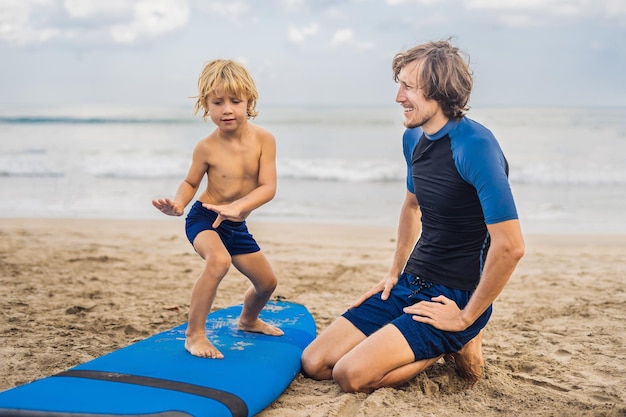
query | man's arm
[409, 227]
[507, 248]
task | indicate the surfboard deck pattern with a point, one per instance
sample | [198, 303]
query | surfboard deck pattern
[157, 377]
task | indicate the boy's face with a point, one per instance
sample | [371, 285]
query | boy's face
[228, 112]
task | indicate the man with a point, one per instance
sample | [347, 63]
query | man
[437, 296]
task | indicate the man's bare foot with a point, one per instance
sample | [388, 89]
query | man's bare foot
[469, 360]
[200, 346]
[259, 326]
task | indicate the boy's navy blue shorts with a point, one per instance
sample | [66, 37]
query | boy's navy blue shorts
[234, 235]
[426, 341]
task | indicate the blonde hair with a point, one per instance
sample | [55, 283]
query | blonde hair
[445, 75]
[232, 78]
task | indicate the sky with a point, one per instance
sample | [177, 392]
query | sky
[541, 53]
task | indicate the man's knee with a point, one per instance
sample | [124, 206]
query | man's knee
[312, 365]
[351, 379]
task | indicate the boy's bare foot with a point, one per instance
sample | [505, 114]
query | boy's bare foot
[259, 326]
[469, 360]
[200, 346]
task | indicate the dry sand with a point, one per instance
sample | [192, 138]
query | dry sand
[73, 290]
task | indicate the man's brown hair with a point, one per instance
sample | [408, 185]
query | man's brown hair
[444, 75]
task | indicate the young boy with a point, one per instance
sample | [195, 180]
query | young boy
[239, 160]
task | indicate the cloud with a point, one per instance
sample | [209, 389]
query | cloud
[24, 22]
[293, 5]
[152, 18]
[537, 12]
[346, 37]
[82, 9]
[15, 26]
[233, 11]
[298, 35]
[422, 2]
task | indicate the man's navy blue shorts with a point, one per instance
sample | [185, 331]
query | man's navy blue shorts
[234, 235]
[426, 341]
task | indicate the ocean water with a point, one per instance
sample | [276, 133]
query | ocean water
[335, 165]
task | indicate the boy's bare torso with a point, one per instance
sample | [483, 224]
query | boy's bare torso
[232, 164]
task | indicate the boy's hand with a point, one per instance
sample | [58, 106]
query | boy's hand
[168, 207]
[225, 212]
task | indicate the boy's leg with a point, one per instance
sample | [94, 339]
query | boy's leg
[259, 271]
[216, 265]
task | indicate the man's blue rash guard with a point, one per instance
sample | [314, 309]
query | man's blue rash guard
[460, 179]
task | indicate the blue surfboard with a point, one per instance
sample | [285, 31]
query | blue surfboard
[157, 377]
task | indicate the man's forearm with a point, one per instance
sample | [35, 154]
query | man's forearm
[409, 227]
[507, 248]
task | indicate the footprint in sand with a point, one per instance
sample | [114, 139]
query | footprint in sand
[562, 355]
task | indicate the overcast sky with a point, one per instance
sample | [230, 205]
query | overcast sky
[307, 52]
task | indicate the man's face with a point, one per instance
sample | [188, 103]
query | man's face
[418, 111]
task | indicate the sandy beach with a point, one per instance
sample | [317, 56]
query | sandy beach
[74, 290]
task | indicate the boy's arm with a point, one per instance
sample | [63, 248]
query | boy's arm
[188, 188]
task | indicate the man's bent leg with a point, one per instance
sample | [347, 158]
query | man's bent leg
[384, 359]
[469, 360]
[320, 357]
